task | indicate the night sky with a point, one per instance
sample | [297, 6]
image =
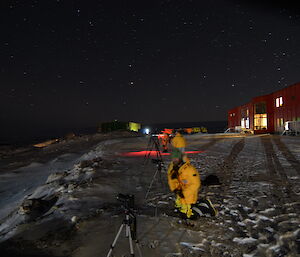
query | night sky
[71, 64]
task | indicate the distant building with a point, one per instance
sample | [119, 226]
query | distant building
[119, 125]
[275, 112]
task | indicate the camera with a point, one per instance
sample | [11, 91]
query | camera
[126, 200]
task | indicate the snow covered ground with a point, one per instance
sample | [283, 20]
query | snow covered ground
[67, 206]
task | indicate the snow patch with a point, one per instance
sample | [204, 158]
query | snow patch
[195, 247]
[267, 211]
[246, 240]
[99, 150]
[264, 218]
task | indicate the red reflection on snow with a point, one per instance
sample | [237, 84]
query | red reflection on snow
[152, 153]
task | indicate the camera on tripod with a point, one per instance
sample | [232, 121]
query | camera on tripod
[129, 223]
[126, 200]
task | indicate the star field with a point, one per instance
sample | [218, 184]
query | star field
[77, 63]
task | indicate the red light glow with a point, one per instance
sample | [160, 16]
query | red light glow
[152, 153]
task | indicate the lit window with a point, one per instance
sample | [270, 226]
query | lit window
[280, 122]
[279, 101]
[247, 123]
[243, 125]
[260, 121]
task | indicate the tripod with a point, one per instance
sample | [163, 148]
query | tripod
[154, 144]
[129, 223]
[159, 167]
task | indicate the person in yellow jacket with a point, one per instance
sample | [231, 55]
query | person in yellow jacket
[165, 142]
[184, 181]
[178, 142]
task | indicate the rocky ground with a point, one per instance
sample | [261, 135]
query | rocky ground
[73, 211]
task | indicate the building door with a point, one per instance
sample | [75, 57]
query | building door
[260, 116]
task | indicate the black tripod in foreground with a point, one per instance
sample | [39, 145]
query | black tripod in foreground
[129, 223]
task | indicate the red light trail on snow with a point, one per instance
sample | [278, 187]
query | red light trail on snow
[152, 153]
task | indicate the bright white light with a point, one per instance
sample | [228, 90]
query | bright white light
[280, 101]
[147, 131]
[286, 126]
[247, 123]
[243, 123]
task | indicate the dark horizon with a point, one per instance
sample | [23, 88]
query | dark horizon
[34, 136]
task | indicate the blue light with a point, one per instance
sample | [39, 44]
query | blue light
[146, 131]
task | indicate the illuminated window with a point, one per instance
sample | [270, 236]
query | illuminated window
[243, 125]
[260, 121]
[279, 122]
[247, 123]
[279, 101]
[245, 119]
[260, 116]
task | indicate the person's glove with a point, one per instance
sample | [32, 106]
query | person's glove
[179, 193]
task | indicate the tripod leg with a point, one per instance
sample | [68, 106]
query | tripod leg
[130, 241]
[148, 151]
[127, 227]
[161, 164]
[138, 248]
[115, 240]
[150, 186]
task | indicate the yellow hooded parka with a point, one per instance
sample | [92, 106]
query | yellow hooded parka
[188, 181]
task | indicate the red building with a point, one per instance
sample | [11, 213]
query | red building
[268, 113]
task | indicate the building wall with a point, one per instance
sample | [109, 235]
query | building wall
[234, 117]
[290, 109]
[267, 99]
[247, 116]
[281, 106]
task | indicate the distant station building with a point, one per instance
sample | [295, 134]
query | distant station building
[278, 112]
[118, 125]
